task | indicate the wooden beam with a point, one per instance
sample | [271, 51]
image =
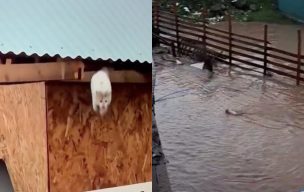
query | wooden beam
[8, 61]
[61, 70]
[121, 76]
[37, 59]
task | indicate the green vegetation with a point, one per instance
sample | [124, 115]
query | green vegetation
[268, 13]
[241, 10]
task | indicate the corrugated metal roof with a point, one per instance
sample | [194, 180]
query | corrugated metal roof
[97, 29]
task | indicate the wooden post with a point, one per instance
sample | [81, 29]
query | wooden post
[204, 31]
[173, 49]
[230, 40]
[299, 57]
[8, 61]
[176, 27]
[265, 48]
[157, 16]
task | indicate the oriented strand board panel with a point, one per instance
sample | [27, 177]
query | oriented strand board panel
[89, 153]
[23, 135]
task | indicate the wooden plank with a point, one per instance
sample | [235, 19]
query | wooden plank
[247, 62]
[165, 40]
[40, 71]
[166, 13]
[192, 45]
[247, 37]
[192, 40]
[238, 66]
[190, 35]
[141, 187]
[23, 127]
[166, 19]
[279, 72]
[193, 29]
[168, 34]
[282, 52]
[248, 43]
[217, 30]
[247, 55]
[243, 48]
[217, 47]
[8, 61]
[121, 76]
[217, 41]
[166, 27]
[282, 66]
[217, 35]
[270, 55]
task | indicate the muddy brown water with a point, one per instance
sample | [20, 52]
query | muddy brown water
[208, 150]
[280, 36]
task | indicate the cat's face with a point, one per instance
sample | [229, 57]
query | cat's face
[103, 100]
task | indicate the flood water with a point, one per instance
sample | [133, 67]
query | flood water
[208, 150]
[284, 37]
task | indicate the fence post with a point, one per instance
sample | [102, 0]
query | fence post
[299, 57]
[173, 49]
[265, 48]
[204, 32]
[176, 27]
[157, 15]
[230, 40]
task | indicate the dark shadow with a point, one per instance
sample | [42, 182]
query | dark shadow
[5, 181]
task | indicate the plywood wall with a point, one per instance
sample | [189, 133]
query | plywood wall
[23, 144]
[87, 152]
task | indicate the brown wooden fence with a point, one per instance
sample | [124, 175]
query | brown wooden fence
[240, 50]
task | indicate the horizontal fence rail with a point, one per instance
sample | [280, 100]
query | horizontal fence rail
[185, 35]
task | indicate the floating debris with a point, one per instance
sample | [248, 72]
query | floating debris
[196, 13]
[187, 9]
[178, 62]
[235, 113]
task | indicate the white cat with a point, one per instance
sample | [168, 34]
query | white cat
[101, 91]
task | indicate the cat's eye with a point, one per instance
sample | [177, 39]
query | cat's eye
[106, 101]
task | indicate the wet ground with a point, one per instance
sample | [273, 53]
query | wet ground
[208, 150]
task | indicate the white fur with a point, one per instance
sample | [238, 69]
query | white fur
[100, 82]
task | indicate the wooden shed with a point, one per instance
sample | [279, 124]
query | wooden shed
[50, 138]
